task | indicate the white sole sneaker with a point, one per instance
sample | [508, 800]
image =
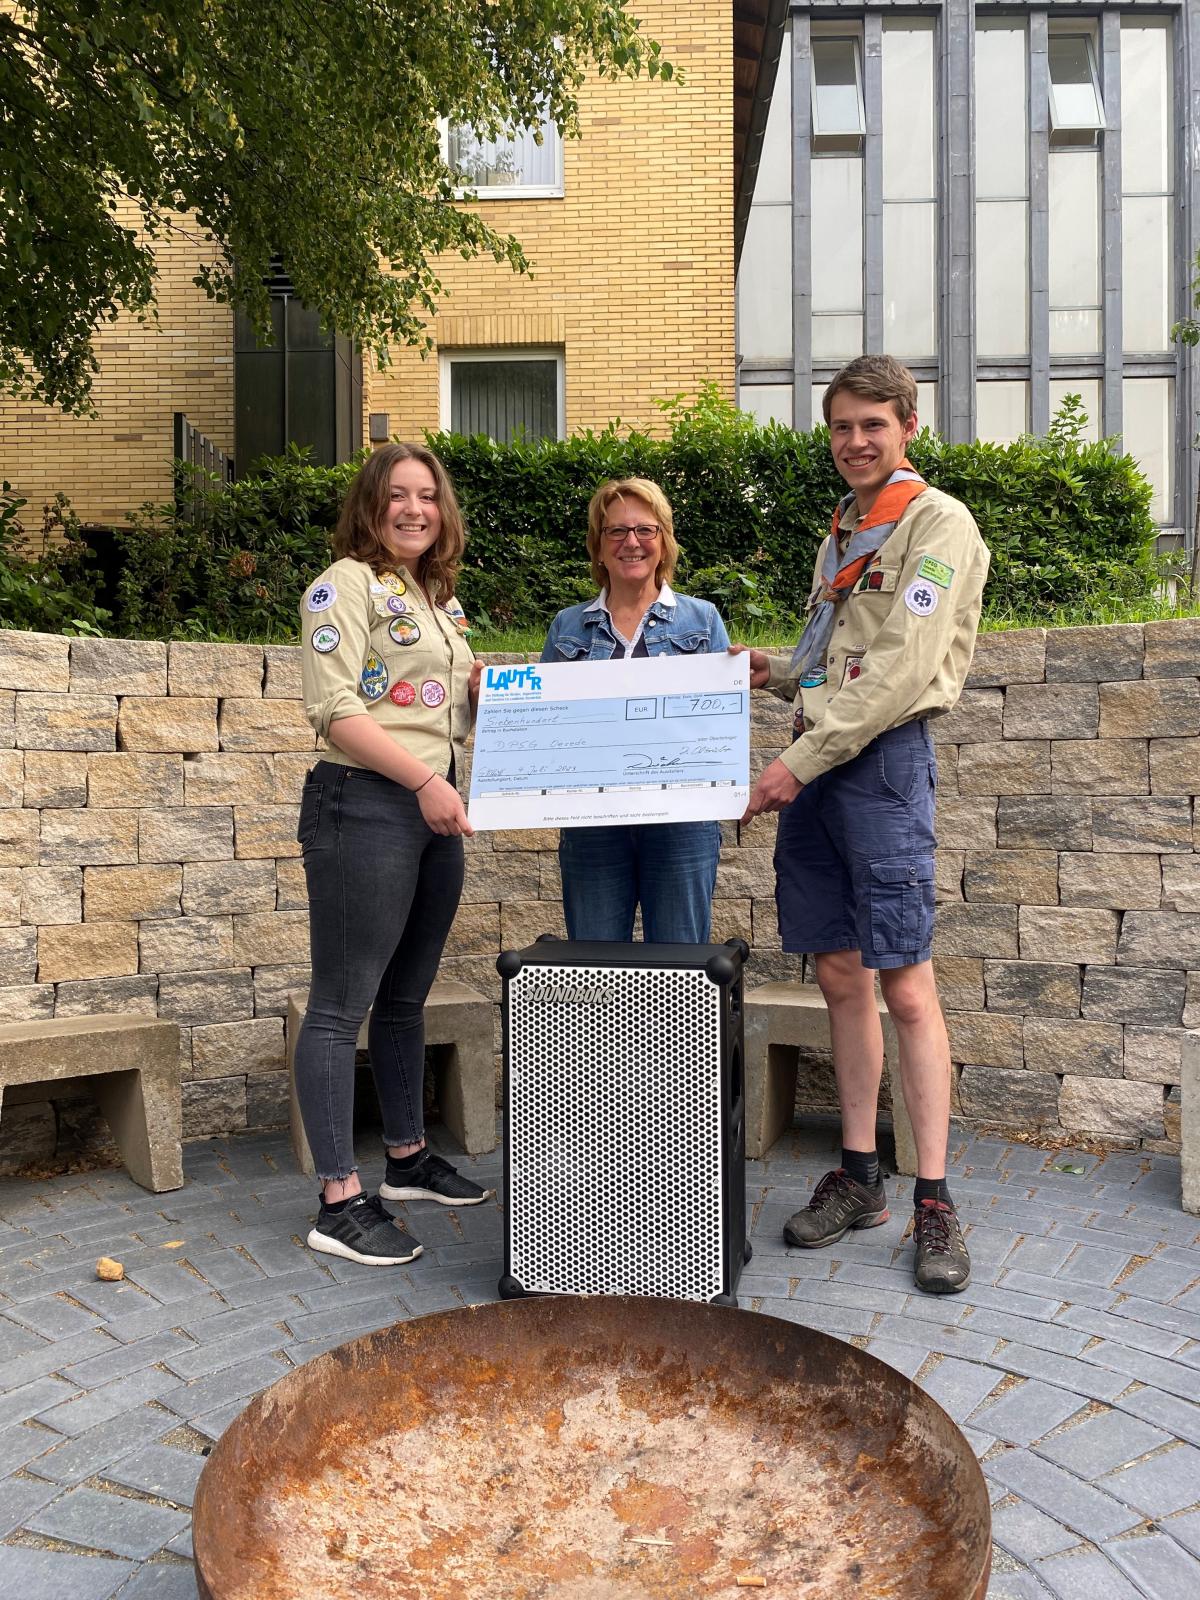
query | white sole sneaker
[335, 1247]
[392, 1192]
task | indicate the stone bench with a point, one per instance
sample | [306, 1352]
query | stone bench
[781, 1019]
[1189, 1138]
[457, 1018]
[130, 1064]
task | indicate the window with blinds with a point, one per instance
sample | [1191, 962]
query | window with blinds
[504, 395]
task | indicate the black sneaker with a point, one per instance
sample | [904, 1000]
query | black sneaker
[431, 1179]
[839, 1203]
[364, 1232]
[942, 1265]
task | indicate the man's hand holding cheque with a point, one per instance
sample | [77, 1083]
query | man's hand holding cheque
[777, 787]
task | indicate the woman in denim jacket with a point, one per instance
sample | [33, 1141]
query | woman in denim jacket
[670, 868]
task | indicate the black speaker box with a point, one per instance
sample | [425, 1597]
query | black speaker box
[624, 1115]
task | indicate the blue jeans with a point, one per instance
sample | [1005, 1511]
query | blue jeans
[382, 892]
[669, 868]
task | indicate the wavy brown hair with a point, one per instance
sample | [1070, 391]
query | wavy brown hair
[879, 378]
[360, 534]
[640, 489]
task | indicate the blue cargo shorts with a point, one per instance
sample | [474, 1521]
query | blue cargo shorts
[854, 854]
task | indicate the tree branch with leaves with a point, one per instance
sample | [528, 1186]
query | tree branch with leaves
[307, 131]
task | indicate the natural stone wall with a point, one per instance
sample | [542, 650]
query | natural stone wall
[148, 863]
[1068, 943]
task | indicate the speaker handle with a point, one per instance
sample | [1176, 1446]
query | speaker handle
[509, 963]
[725, 967]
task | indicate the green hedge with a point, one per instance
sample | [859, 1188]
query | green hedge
[1065, 521]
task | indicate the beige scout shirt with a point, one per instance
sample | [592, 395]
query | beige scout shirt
[902, 640]
[374, 647]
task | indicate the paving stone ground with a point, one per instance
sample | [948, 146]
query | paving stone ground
[1072, 1361]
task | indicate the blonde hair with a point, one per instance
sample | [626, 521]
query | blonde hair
[359, 531]
[633, 488]
[880, 378]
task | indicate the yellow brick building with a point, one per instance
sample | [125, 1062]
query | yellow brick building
[631, 296]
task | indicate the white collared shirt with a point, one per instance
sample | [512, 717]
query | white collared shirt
[600, 603]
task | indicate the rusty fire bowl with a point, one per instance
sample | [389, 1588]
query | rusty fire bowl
[598, 1448]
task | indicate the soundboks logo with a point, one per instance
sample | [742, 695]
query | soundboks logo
[569, 994]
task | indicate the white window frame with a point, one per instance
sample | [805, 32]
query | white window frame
[511, 191]
[524, 352]
[1095, 124]
[823, 136]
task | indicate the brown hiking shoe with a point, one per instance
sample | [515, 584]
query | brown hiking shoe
[942, 1265]
[839, 1203]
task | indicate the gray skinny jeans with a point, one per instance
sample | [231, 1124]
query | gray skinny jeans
[383, 889]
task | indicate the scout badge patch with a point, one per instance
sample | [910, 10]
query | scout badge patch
[432, 693]
[457, 616]
[921, 598]
[326, 638]
[403, 630]
[321, 596]
[936, 571]
[374, 677]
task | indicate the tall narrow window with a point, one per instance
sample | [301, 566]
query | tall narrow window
[838, 128]
[304, 387]
[1002, 190]
[1149, 426]
[909, 189]
[837, 258]
[1075, 290]
[1147, 184]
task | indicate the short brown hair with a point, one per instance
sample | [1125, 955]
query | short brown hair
[359, 531]
[643, 489]
[881, 378]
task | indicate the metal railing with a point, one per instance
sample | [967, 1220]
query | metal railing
[194, 449]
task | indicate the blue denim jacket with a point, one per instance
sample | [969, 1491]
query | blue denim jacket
[584, 632]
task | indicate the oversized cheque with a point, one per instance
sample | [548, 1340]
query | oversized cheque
[573, 743]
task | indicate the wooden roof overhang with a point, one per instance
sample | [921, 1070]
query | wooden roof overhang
[758, 27]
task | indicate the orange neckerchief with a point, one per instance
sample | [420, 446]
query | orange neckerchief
[890, 505]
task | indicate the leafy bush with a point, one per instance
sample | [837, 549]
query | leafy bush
[1067, 523]
[229, 559]
[45, 585]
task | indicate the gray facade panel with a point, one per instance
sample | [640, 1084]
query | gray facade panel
[1039, 225]
[801, 224]
[1110, 221]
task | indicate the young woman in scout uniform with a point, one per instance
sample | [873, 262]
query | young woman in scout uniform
[390, 684]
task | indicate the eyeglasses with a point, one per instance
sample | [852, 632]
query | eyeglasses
[643, 531]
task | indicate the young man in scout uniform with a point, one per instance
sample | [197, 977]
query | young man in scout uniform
[891, 629]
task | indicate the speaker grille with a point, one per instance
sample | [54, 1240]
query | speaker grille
[614, 1131]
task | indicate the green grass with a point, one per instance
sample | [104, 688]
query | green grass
[1151, 608]
[528, 641]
